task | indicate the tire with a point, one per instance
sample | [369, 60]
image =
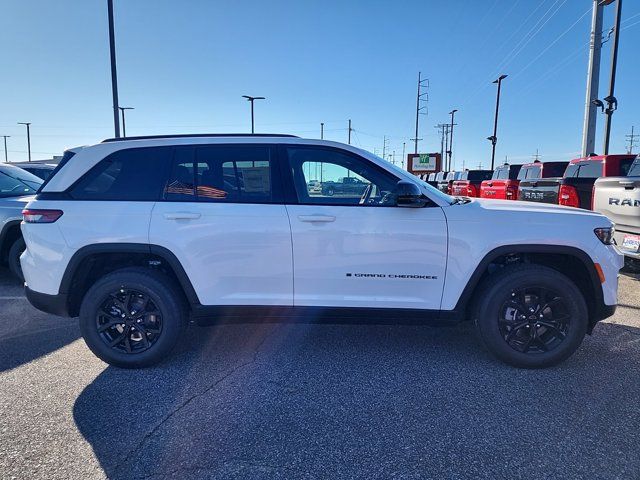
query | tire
[330, 192]
[14, 258]
[149, 334]
[526, 338]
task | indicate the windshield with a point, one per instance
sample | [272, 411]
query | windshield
[15, 182]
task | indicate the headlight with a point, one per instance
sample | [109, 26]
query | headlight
[605, 235]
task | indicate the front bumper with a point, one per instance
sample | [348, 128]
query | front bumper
[54, 304]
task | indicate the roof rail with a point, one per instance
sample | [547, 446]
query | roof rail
[197, 135]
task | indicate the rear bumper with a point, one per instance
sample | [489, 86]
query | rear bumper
[54, 304]
[619, 237]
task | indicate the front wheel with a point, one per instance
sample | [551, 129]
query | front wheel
[531, 316]
[132, 318]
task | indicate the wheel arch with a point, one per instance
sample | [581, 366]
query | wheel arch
[576, 264]
[92, 261]
[10, 233]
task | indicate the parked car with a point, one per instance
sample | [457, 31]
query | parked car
[314, 186]
[445, 185]
[539, 182]
[344, 185]
[40, 170]
[167, 246]
[468, 184]
[16, 190]
[619, 199]
[503, 184]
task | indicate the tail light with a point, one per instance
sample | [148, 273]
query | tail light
[40, 216]
[450, 189]
[568, 196]
[511, 191]
[471, 191]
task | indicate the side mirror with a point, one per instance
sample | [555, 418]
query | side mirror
[408, 194]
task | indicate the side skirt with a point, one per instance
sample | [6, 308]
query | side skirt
[231, 314]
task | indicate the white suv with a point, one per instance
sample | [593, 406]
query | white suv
[139, 236]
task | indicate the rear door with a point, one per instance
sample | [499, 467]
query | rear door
[223, 216]
[360, 250]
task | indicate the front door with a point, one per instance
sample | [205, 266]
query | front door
[356, 248]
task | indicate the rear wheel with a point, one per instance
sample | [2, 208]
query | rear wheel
[531, 316]
[14, 258]
[132, 318]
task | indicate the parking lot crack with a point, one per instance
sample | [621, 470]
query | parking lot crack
[189, 400]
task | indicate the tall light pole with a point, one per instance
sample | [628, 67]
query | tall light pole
[593, 80]
[124, 128]
[6, 158]
[321, 131]
[612, 102]
[114, 72]
[494, 137]
[27, 124]
[251, 100]
[450, 152]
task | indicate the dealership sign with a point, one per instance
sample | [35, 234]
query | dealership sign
[423, 162]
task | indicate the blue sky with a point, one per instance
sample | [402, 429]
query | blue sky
[184, 65]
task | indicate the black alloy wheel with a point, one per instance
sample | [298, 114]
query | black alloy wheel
[534, 320]
[129, 321]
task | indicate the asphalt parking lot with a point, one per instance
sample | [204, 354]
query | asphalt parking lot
[312, 401]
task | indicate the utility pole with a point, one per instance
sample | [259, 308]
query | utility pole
[450, 152]
[446, 143]
[251, 99]
[6, 158]
[384, 146]
[440, 128]
[536, 157]
[421, 104]
[593, 80]
[349, 136]
[321, 131]
[631, 138]
[114, 73]
[27, 124]
[494, 137]
[122, 109]
[611, 101]
[403, 154]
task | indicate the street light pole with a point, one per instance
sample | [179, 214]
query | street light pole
[27, 124]
[251, 100]
[452, 113]
[494, 137]
[612, 102]
[321, 131]
[122, 109]
[6, 158]
[114, 73]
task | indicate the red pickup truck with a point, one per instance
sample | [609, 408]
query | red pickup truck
[469, 182]
[503, 184]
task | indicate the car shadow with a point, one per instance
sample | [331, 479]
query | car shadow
[27, 333]
[327, 401]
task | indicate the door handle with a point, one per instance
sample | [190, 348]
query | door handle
[181, 215]
[316, 218]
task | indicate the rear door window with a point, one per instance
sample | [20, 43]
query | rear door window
[230, 173]
[134, 174]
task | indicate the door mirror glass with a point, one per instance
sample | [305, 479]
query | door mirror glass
[408, 194]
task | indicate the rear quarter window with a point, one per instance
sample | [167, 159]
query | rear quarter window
[135, 174]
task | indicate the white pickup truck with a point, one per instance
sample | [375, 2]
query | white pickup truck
[619, 199]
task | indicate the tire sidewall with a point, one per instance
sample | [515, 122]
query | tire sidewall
[495, 296]
[162, 295]
[15, 251]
